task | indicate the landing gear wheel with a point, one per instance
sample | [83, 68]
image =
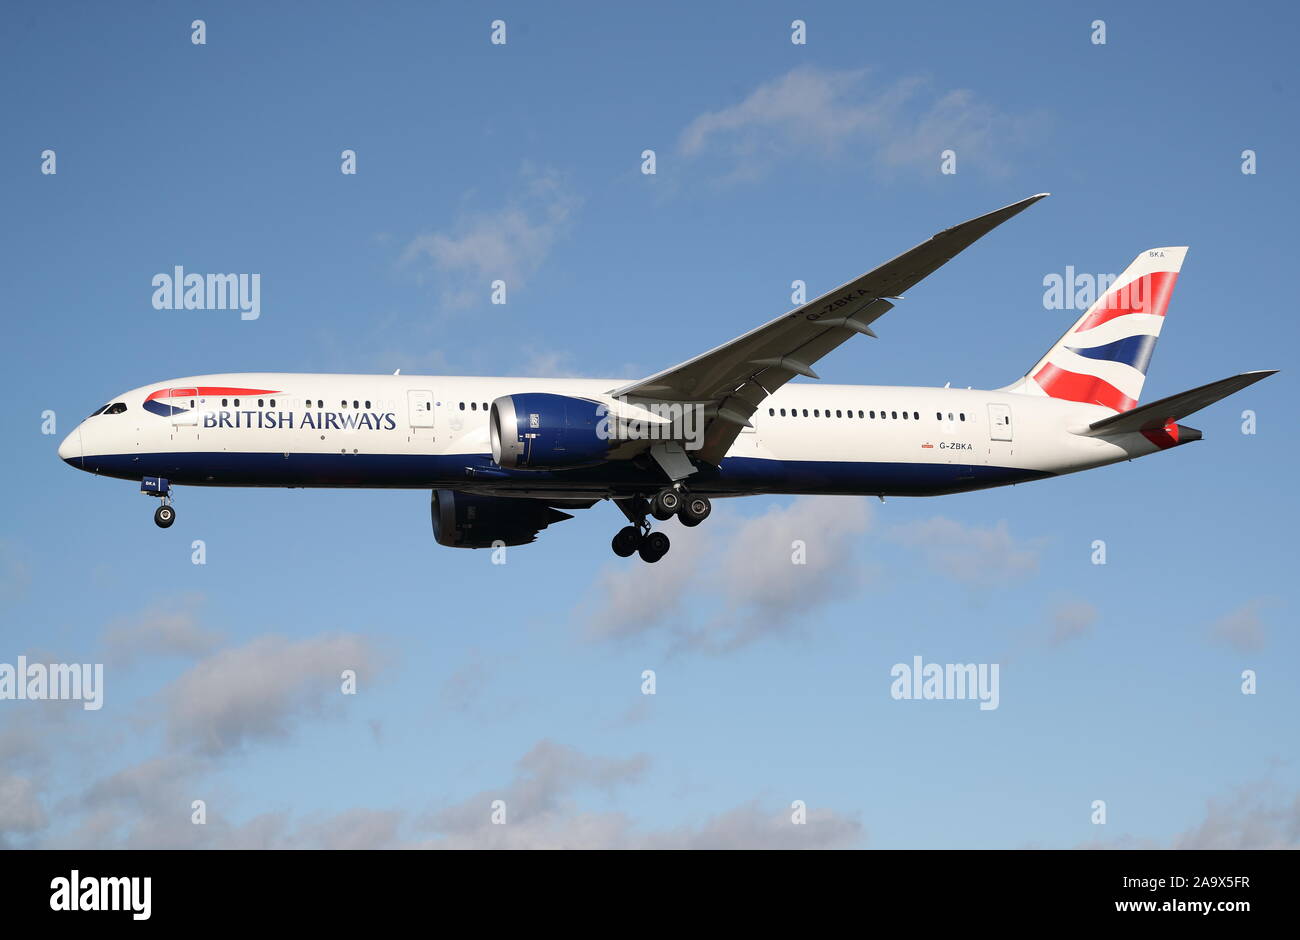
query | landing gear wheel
[164, 516]
[695, 509]
[653, 547]
[626, 541]
[665, 504]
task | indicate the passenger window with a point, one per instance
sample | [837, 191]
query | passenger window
[962, 416]
[938, 416]
[319, 403]
[260, 403]
[894, 415]
[224, 403]
[462, 406]
[838, 413]
[859, 412]
[272, 402]
[367, 404]
[916, 416]
[904, 415]
[816, 413]
[805, 412]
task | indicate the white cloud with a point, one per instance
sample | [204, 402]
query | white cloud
[1257, 815]
[1254, 816]
[826, 115]
[750, 827]
[167, 628]
[349, 829]
[465, 686]
[1071, 619]
[21, 813]
[509, 243]
[255, 691]
[550, 363]
[751, 562]
[972, 554]
[542, 812]
[1242, 629]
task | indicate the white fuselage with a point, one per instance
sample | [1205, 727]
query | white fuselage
[287, 429]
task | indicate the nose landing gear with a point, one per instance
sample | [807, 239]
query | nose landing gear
[164, 515]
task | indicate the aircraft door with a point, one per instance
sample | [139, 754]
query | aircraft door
[1000, 422]
[184, 403]
[420, 408]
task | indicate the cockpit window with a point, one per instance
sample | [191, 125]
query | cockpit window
[115, 409]
[97, 411]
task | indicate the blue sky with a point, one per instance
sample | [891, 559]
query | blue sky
[522, 682]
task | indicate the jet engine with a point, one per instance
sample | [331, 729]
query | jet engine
[541, 431]
[464, 520]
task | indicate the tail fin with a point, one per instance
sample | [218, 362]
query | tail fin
[1102, 359]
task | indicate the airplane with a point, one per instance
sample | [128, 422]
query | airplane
[504, 458]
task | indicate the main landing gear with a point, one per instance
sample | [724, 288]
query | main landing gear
[164, 515]
[668, 502]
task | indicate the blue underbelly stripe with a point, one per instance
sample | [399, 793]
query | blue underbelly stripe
[737, 474]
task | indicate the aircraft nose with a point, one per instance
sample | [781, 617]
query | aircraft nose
[70, 449]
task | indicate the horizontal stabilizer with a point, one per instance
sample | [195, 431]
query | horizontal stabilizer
[1158, 414]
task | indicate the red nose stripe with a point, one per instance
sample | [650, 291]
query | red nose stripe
[208, 390]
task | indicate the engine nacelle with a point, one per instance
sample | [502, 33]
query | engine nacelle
[464, 520]
[540, 431]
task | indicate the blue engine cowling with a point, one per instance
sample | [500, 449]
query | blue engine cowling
[540, 431]
[464, 520]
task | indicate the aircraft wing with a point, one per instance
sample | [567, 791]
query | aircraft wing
[732, 380]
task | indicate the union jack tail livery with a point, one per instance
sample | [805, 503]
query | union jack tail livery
[1102, 359]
